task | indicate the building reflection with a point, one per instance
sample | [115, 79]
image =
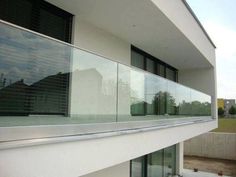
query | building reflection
[46, 96]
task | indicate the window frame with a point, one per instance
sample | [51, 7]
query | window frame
[157, 62]
[146, 158]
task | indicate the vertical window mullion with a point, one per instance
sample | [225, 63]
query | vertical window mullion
[145, 89]
[145, 166]
[163, 161]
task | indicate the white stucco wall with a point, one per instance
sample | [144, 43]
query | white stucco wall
[77, 158]
[101, 42]
[185, 22]
[94, 79]
[121, 170]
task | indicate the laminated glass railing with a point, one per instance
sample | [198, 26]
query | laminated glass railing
[145, 96]
[47, 82]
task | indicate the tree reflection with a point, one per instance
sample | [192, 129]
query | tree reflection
[163, 103]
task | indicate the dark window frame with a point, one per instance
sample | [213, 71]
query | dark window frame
[157, 62]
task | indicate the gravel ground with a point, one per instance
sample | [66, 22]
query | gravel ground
[228, 167]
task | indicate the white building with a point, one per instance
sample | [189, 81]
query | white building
[102, 88]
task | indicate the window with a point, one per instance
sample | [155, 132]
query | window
[138, 167]
[170, 74]
[143, 60]
[137, 60]
[157, 164]
[39, 16]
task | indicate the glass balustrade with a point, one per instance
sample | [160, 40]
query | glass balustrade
[46, 82]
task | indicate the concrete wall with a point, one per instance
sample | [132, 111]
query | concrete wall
[121, 170]
[213, 145]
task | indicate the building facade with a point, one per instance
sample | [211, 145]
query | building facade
[228, 103]
[221, 103]
[102, 88]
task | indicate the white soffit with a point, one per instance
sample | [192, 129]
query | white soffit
[142, 24]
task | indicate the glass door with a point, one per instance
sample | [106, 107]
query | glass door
[169, 161]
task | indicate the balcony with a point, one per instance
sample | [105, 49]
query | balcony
[54, 87]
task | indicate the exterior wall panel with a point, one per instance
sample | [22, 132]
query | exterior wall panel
[121, 170]
[177, 12]
[101, 42]
[79, 158]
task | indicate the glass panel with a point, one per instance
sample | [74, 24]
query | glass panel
[155, 164]
[171, 98]
[137, 167]
[201, 104]
[32, 82]
[183, 101]
[124, 92]
[169, 161]
[143, 91]
[155, 94]
[93, 88]
[137, 60]
[36, 72]
[150, 66]
[137, 86]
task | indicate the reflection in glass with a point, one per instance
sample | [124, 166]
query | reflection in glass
[93, 87]
[201, 104]
[171, 98]
[137, 167]
[137, 85]
[155, 97]
[169, 161]
[161, 163]
[183, 101]
[155, 164]
[34, 74]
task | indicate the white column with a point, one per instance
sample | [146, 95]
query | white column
[179, 158]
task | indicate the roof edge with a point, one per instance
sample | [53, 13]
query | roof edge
[198, 22]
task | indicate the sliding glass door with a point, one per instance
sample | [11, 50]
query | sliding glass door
[155, 166]
[161, 163]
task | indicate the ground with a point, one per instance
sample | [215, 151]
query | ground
[227, 125]
[228, 167]
[191, 173]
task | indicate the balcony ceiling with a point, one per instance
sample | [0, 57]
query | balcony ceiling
[142, 24]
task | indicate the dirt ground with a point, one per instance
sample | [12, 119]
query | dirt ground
[228, 167]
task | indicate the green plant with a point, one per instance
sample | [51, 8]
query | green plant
[221, 111]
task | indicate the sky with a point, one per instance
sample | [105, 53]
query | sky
[218, 17]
